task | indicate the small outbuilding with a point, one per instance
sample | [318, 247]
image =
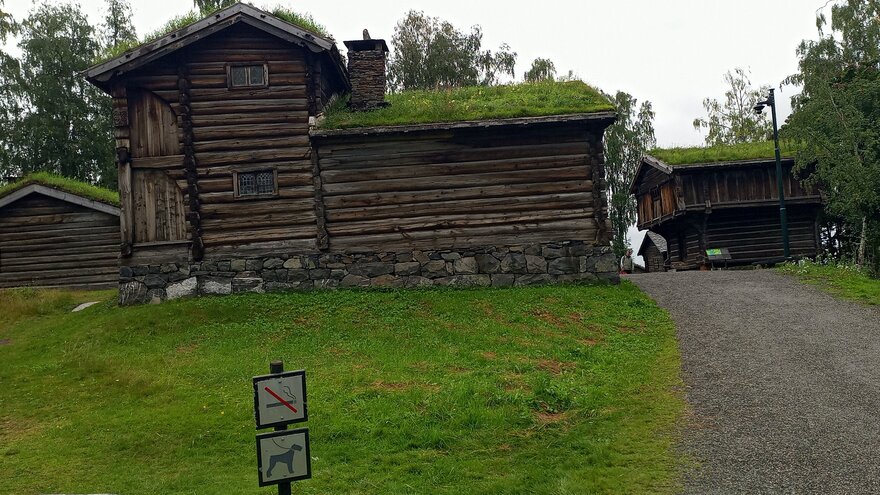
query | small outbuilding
[724, 199]
[56, 232]
[654, 251]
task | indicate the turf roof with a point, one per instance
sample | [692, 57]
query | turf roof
[71, 186]
[474, 103]
[678, 157]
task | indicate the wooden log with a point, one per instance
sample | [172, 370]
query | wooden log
[435, 222]
[212, 159]
[158, 162]
[249, 106]
[251, 144]
[246, 208]
[283, 194]
[221, 94]
[280, 116]
[239, 131]
[393, 198]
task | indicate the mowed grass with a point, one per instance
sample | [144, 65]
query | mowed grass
[842, 280]
[547, 390]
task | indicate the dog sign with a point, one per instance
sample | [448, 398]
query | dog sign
[280, 399]
[284, 456]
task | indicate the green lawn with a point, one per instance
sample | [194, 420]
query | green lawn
[841, 280]
[531, 390]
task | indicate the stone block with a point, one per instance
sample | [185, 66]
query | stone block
[465, 266]
[354, 281]
[435, 269]
[254, 265]
[326, 283]
[224, 266]
[514, 263]
[533, 279]
[185, 288]
[407, 268]
[370, 270]
[450, 256]
[606, 263]
[386, 281]
[532, 250]
[487, 263]
[125, 272]
[132, 293]
[550, 252]
[421, 257]
[293, 264]
[337, 274]
[140, 270]
[416, 282]
[503, 280]
[168, 268]
[562, 266]
[535, 264]
[273, 263]
[215, 286]
[319, 273]
[154, 281]
[238, 266]
[247, 284]
[208, 266]
[295, 276]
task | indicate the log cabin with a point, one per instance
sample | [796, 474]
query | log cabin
[724, 198]
[55, 232]
[253, 158]
[653, 251]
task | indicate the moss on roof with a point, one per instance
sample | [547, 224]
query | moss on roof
[302, 21]
[715, 154]
[474, 103]
[71, 186]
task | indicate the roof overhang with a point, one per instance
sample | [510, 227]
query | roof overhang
[101, 74]
[598, 119]
[55, 193]
[648, 161]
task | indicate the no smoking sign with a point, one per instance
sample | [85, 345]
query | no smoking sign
[280, 399]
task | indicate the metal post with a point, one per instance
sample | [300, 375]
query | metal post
[783, 216]
[276, 367]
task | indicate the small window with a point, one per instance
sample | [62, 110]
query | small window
[262, 183]
[245, 76]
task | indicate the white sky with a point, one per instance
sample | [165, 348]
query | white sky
[671, 52]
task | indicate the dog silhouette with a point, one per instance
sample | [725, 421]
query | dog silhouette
[283, 458]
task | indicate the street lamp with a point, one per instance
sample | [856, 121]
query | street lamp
[783, 217]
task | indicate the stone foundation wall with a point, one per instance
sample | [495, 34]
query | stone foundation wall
[560, 262]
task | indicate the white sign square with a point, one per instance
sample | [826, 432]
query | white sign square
[284, 456]
[280, 399]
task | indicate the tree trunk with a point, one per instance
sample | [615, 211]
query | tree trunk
[863, 242]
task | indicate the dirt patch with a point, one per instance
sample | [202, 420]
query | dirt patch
[187, 348]
[590, 342]
[14, 430]
[555, 367]
[628, 328]
[458, 369]
[489, 355]
[547, 418]
[548, 317]
[5, 341]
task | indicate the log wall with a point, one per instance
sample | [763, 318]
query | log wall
[46, 242]
[462, 188]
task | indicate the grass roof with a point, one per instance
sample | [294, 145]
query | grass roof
[716, 154]
[71, 186]
[474, 103]
[302, 21]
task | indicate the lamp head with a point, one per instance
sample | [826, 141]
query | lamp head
[759, 108]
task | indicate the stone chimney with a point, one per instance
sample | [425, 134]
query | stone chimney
[366, 69]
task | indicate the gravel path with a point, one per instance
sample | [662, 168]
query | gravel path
[782, 379]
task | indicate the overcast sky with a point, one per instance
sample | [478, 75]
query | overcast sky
[671, 52]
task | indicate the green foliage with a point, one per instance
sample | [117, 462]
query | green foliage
[625, 142]
[541, 390]
[7, 25]
[734, 121]
[543, 69]
[69, 185]
[474, 103]
[117, 28]
[836, 117]
[51, 119]
[207, 7]
[429, 53]
[304, 21]
[730, 153]
[845, 280]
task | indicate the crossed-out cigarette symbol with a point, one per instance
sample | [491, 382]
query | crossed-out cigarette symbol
[282, 402]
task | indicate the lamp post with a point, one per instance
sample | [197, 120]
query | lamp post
[783, 216]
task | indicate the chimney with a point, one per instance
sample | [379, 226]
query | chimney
[366, 69]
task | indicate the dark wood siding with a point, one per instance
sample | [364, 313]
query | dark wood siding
[46, 242]
[455, 189]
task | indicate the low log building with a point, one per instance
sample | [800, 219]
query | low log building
[229, 181]
[724, 198]
[56, 233]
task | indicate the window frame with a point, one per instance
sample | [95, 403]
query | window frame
[230, 67]
[236, 193]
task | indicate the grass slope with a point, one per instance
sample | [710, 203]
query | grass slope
[715, 154]
[842, 280]
[546, 390]
[474, 103]
[83, 189]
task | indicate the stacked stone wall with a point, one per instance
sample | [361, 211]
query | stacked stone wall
[561, 262]
[368, 80]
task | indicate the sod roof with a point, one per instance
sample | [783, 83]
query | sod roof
[680, 157]
[71, 186]
[473, 103]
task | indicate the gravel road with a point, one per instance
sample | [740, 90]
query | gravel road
[783, 382]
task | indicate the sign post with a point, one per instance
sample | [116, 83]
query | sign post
[284, 455]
